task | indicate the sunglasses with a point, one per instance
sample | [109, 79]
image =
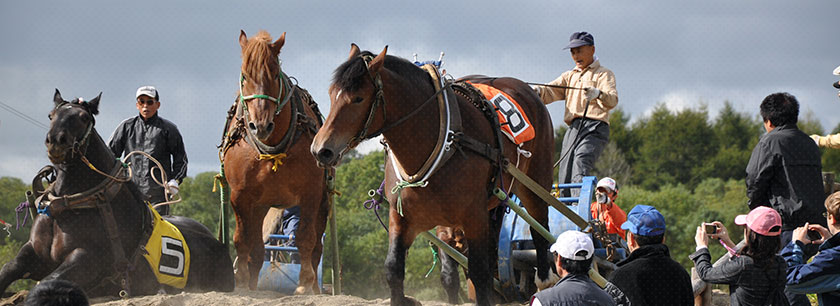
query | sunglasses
[825, 215]
[146, 102]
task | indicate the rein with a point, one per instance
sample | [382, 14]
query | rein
[286, 87]
[379, 99]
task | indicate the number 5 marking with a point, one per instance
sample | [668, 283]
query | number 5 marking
[172, 247]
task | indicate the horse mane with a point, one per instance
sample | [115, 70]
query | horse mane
[257, 57]
[348, 76]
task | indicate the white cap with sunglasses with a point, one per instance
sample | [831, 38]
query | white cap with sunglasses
[149, 91]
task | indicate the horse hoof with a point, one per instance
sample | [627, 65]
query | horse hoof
[301, 290]
[553, 278]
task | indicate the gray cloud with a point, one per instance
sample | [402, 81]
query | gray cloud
[672, 52]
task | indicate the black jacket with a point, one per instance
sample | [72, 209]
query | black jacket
[749, 283]
[158, 137]
[650, 277]
[573, 290]
[785, 173]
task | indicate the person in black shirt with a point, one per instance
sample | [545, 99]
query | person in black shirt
[150, 133]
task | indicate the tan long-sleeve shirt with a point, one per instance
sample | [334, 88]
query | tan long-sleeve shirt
[593, 76]
[828, 141]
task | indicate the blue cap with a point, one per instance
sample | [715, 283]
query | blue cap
[644, 220]
[580, 39]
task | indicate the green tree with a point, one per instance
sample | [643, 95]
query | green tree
[12, 193]
[673, 146]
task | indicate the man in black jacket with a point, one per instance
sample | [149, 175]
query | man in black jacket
[649, 276]
[785, 172]
[159, 137]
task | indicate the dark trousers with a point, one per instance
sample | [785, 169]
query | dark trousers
[583, 143]
[809, 250]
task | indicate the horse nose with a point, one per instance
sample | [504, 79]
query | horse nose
[325, 156]
[252, 126]
[269, 128]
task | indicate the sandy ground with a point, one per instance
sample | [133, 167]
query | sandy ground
[244, 297]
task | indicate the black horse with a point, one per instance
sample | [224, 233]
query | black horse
[97, 225]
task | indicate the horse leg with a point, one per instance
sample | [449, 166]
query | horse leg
[313, 222]
[81, 267]
[480, 256]
[449, 277]
[25, 265]
[544, 278]
[400, 239]
[249, 247]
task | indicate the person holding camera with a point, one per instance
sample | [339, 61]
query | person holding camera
[755, 273]
[822, 274]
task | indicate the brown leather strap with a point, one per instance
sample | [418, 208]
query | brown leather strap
[454, 117]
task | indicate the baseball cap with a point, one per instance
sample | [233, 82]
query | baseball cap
[580, 39]
[763, 220]
[608, 183]
[147, 91]
[644, 220]
[573, 245]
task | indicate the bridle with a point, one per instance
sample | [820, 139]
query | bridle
[79, 145]
[285, 86]
[379, 100]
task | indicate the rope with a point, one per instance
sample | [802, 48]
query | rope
[435, 257]
[161, 182]
[119, 180]
[398, 190]
[376, 198]
[219, 180]
[6, 227]
[277, 158]
[22, 207]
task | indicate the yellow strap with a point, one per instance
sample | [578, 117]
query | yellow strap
[278, 159]
[218, 180]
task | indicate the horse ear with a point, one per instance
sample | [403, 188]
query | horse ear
[93, 104]
[279, 43]
[57, 98]
[377, 61]
[243, 39]
[354, 50]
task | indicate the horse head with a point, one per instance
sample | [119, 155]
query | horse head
[356, 94]
[262, 83]
[71, 125]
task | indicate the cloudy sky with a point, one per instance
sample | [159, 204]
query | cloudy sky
[681, 53]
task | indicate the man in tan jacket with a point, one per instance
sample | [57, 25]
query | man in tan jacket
[833, 140]
[589, 91]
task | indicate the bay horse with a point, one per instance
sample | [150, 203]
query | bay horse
[267, 164]
[95, 229]
[382, 94]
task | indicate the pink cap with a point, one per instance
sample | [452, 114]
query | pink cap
[763, 220]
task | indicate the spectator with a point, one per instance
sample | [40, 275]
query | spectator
[822, 274]
[573, 252]
[604, 208]
[785, 172]
[649, 276]
[57, 292]
[755, 274]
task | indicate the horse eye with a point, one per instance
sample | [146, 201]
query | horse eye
[358, 100]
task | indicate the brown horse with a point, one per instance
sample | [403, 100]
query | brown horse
[95, 228]
[389, 95]
[267, 163]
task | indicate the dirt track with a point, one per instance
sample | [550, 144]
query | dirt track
[243, 297]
